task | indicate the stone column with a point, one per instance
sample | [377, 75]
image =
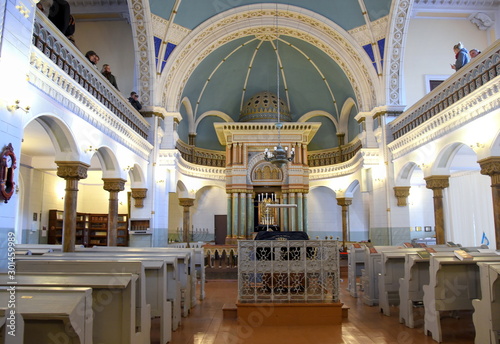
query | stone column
[306, 220]
[250, 215]
[292, 216]
[284, 221]
[304, 155]
[113, 186]
[234, 219]
[402, 193]
[300, 212]
[72, 172]
[228, 155]
[187, 203]
[491, 167]
[138, 195]
[437, 184]
[345, 202]
[229, 233]
[243, 215]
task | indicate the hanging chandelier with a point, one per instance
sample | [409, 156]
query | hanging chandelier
[279, 156]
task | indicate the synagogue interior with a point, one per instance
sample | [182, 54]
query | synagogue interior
[241, 171]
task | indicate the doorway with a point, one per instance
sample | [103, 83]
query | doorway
[220, 225]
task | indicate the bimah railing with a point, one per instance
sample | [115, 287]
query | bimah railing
[278, 271]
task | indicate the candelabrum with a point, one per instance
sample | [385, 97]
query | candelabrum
[267, 216]
[194, 235]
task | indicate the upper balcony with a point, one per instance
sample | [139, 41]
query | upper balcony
[467, 94]
[52, 51]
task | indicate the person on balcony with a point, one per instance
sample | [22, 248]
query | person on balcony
[106, 71]
[474, 52]
[92, 57]
[461, 55]
[134, 100]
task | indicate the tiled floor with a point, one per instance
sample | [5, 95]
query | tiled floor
[365, 325]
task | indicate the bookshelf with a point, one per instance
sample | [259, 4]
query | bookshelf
[91, 229]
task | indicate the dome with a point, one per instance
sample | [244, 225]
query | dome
[263, 107]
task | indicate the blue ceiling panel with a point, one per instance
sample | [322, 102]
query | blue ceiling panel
[162, 8]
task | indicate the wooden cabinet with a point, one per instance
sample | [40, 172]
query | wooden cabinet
[91, 229]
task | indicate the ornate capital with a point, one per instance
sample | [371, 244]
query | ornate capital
[344, 201]
[437, 182]
[186, 202]
[401, 193]
[114, 184]
[491, 167]
[72, 169]
[138, 195]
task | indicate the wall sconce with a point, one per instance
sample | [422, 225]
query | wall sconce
[477, 145]
[379, 180]
[16, 106]
[422, 165]
[161, 181]
[23, 10]
[129, 168]
[91, 149]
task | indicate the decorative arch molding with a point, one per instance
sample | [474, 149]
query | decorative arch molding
[258, 160]
[109, 163]
[396, 40]
[260, 18]
[62, 138]
[219, 114]
[319, 113]
[344, 115]
[142, 28]
[266, 173]
[351, 189]
[404, 175]
[444, 158]
[190, 114]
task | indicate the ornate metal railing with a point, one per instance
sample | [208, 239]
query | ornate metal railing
[479, 72]
[288, 271]
[200, 156]
[52, 44]
[333, 156]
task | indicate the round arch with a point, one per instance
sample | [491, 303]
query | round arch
[296, 22]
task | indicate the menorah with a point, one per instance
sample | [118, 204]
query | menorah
[195, 234]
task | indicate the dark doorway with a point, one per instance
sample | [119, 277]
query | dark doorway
[220, 225]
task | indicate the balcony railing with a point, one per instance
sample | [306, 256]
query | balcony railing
[200, 156]
[333, 156]
[64, 54]
[479, 72]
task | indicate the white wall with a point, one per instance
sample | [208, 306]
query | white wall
[112, 41]
[429, 50]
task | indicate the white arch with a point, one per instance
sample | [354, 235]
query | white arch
[219, 114]
[294, 21]
[318, 113]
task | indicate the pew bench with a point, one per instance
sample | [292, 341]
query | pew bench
[355, 264]
[141, 325]
[453, 284]
[113, 301]
[46, 315]
[486, 316]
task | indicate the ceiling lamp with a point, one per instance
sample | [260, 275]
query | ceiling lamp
[279, 156]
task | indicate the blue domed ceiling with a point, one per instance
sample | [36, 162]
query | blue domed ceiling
[309, 80]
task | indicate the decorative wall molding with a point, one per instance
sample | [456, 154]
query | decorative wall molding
[395, 43]
[379, 31]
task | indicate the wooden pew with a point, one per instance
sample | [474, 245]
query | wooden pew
[355, 264]
[186, 262]
[453, 284]
[486, 314]
[113, 301]
[163, 291]
[140, 328]
[50, 314]
[372, 268]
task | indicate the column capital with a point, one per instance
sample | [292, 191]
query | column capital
[402, 193]
[437, 182]
[491, 167]
[72, 169]
[344, 201]
[138, 194]
[186, 202]
[114, 184]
